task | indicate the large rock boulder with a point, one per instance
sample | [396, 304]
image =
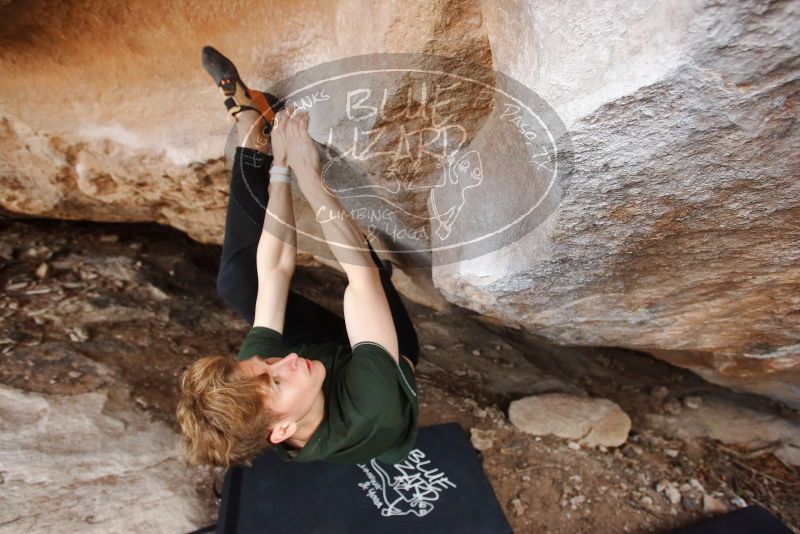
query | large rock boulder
[591, 422]
[718, 419]
[677, 230]
[91, 463]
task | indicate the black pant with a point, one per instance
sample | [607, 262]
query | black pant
[237, 281]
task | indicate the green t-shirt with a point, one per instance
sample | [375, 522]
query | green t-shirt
[371, 403]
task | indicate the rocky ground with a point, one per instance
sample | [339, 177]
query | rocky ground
[98, 321]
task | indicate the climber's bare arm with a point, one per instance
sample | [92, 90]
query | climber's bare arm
[367, 314]
[366, 311]
[277, 247]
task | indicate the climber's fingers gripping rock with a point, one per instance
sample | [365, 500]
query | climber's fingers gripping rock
[301, 149]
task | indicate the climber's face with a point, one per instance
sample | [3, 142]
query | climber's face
[291, 384]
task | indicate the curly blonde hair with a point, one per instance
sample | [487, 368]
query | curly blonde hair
[221, 413]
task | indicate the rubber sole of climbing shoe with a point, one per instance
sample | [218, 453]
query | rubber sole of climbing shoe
[238, 97]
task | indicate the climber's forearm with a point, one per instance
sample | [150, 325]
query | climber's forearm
[343, 235]
[277, 247]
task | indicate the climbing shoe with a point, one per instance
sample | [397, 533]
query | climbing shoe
[238, 97]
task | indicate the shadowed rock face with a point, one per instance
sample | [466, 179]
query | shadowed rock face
[677, 231]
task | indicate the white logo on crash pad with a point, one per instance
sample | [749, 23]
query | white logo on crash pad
[411, 488]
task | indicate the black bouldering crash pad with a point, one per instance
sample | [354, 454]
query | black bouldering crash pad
[750, 520]
[441, 487]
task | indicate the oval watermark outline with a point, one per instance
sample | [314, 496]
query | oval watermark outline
[414, 57]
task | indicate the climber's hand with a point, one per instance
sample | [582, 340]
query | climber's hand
[301, 151]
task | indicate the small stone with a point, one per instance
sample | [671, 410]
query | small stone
[672, 494]
[87, 275]
[482, 439]
[738, 502]
[659, 392]
[663, 484]
[519, 507]
[692, 501]
[646, 501]
[685, 487]
[38, 252]
[479, 412]
[713, 505]
[603, 448]
[693, 482]
[632, 450]
[428, 346]
[576, 501]
[16, 286]
[574, 446]
[672, 453]
[109, 238]
[79, 334]
[538, 438]
[673, 407]
[75, 374]
[38, 291]
[693, 402]
[41, 270]
[476, 352]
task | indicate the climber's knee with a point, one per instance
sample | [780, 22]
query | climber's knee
[241, 299]
[222, 286]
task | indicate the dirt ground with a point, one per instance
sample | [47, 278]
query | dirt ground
[141, 299]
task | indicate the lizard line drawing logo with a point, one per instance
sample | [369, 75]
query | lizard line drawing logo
[413, 487]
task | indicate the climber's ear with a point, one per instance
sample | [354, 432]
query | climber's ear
[281, 431]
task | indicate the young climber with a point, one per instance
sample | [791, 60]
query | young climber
[306, 382]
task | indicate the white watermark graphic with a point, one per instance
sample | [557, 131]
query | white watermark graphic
[410, 487]
[440, 164]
